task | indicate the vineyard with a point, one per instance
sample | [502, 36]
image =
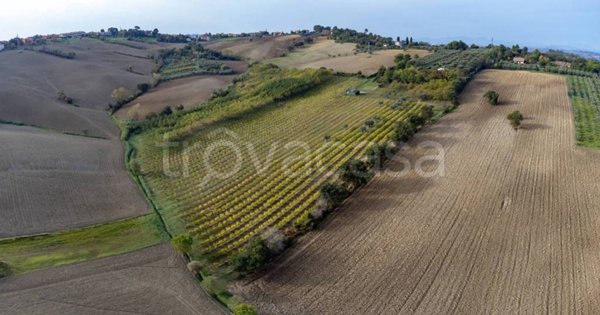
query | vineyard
[447, 58]
[193, 60]
[277, 158]
[585, 97]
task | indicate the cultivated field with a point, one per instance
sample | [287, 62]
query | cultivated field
[51, 181]
[224, 213]
[512, 227]
[149, 281]
[341, 57]
[256, 49]
[31, 80]
[189, 92]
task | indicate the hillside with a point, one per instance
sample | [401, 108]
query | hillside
[493, 230]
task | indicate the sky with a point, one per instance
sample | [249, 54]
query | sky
[572, 24]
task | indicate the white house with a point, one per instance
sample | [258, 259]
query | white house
[1, 47]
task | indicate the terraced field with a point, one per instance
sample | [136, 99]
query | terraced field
[256, 49]
[512, 226]
[276, 158]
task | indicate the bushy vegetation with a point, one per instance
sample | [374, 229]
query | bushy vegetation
[56, 52]
[63, 97]
[4, 269]
[515, 118]
[363, 40]
[492, 97]
[183, 243]
[193, 59]
[244, 309]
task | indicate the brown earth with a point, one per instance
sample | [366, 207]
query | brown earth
[513, 226]
[51, 181]
[256, 49]
[189, 92]
[30, 82]
[341, 57]
[149, 281]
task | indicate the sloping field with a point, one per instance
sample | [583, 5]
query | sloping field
[274, 179]
[188, 92]
[30, 82]
[256, 49]
[149, 281]
[341, 57]
[51, 181]
[512, 227]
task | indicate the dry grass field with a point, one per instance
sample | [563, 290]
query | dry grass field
[149, 281]
[50, 181]
[512, 227]
[341, 57]
[31, 80]
[189, 92]
[256, 49]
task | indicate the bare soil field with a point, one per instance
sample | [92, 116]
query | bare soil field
[51, 181]
[513, 226]
[31, 80]
[256, 49]
[150, 281]
[341, 57]
[188, 92]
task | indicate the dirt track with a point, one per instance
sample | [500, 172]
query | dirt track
[512, 227]
[149, 281]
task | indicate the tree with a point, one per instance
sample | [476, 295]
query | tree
[166, 111]
[492, 97]
[355, 172]
[183, 243]
[143, 87]
[333, 193]
[244, 309]
[515, 119]
[101, 30]
[113, 31]
[155, 32]
[120, 95]
[404, 131]
[253, 256]
[458, 45]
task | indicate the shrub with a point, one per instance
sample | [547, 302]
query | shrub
[404, 131]
[304, 221]
[194, 266]
[120, 95]
[515, 119]
[355, 172]
[244, 309]
[166, 111]
[274, 240]
[64, 98]
[143, 87]
[492, 97]
[253, 256]
[4, 269]
[183, 243]
[333, 193]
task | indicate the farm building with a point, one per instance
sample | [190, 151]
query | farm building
[519, 60]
